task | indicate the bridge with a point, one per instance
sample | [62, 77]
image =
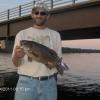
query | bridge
[73, 19]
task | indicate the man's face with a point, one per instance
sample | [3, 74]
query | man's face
[39, 17]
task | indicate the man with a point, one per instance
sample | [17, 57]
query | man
[36, 80]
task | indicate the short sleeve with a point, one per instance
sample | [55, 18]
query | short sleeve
[17, 41]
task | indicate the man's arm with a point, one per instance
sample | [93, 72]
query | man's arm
[18, 55]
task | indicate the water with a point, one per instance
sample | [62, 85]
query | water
[6, 63]
[82, 78]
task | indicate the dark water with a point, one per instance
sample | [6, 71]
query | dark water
[82, 78]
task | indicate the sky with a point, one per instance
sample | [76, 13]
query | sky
[7, 4]
[86, 43]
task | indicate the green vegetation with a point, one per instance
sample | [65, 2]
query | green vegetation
[79, 50]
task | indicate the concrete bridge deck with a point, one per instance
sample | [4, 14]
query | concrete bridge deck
[81, 20]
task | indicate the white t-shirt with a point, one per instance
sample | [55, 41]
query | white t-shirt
[47, 37]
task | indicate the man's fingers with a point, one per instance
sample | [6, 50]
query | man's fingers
[18, 47]
[19, 52]
[50, 65]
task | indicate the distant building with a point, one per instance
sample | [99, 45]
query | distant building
[2, 44]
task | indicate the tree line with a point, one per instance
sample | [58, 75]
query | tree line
[79, 50]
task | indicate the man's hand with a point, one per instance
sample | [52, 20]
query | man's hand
[19, 52]
[18, 55]
[50, 65]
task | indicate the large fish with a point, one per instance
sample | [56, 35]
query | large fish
[38, 52]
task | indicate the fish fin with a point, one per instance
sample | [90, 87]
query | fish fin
[35, 54]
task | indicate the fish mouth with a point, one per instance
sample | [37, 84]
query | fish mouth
[26, 49]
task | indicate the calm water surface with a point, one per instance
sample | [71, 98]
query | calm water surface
[82, 78]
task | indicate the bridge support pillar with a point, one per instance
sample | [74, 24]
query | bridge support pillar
[9, 45]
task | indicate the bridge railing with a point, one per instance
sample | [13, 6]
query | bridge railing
[25, 9]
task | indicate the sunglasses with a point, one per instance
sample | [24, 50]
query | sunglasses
[41, 13]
